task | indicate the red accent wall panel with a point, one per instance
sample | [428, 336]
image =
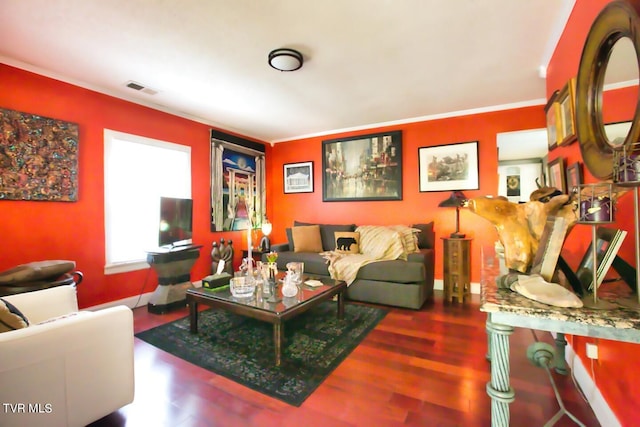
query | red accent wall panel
[34, 231]
[614, 371]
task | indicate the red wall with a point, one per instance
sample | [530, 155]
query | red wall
[415, 207]
[615, 370]
[33, 231]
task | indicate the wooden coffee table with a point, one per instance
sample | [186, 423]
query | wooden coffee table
[259, 308]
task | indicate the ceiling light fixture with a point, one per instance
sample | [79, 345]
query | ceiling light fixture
[285, 59]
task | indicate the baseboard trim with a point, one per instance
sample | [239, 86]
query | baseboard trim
[131, 302]
[438, 285]
[589, 388]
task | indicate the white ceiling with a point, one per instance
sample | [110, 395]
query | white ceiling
[524, 144]
[367, 62]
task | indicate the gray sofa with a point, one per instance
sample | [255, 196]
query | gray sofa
[397, 283]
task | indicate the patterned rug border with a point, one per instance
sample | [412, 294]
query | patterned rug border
[311, 352]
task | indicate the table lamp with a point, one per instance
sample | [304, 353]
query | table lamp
[265, 244]
[456, 200]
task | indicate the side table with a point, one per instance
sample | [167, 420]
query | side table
[457, 268]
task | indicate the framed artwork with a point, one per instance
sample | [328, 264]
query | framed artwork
[513, 185]
[364, 167]
[556, 174]
[574, 176]
[608, 242]
[566, 102]
[38, 158]
[238, 197]
[552, 112]
[298, 177]
[449, 167]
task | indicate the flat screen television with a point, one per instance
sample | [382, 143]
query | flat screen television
[175, 222]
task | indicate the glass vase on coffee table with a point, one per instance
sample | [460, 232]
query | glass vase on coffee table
[269, 271]
[295, 270]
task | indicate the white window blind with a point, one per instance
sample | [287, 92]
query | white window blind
[138, 171]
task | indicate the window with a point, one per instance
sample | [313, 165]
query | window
[137, 172]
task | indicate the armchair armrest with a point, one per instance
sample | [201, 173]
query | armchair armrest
[39, 306]
[82, 366]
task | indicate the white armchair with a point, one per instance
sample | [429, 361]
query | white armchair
[67, 372]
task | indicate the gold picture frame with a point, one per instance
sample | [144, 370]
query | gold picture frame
[574, 176]
[556, 174]
[552, 112]
[567, 107]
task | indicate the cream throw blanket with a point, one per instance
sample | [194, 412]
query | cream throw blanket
[377, 243]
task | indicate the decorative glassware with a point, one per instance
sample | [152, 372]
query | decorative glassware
[295, 270]
[242, 286]
[290, 287]
[269, 271]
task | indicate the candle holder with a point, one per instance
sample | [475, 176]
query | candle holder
[626, 165]
[596, 204]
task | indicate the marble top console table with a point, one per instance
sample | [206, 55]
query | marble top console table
[507, 309]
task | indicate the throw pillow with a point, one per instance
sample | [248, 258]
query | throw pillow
[347, 242]
[327, 232]
[289, 238]
[38, 270]
[426, 236]
[409, 237]
[10, 317]
[307, 239]
[381, 242]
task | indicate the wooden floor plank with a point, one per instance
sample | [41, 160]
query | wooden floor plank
[416, 368]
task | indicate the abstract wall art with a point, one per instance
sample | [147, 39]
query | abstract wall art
[38, 158]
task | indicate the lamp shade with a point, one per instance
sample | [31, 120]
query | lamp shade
[266, 227]
[456, 200]
[285, 59]
[265, 244]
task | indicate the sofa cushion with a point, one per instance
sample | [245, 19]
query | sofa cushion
[347, 242]
[307, 239]
[289, 238]
[398, 271]
[327, 233]
[426, 236]
[10, 317]
[314, 263]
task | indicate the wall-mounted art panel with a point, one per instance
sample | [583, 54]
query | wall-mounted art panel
[38, 158]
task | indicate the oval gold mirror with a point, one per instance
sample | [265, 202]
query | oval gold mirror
[622, 72]
[617, 20]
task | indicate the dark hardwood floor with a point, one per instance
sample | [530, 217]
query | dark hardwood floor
[416, 368]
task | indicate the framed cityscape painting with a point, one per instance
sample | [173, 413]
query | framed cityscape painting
[363, 167]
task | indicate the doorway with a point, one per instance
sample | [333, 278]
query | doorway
[521, 163]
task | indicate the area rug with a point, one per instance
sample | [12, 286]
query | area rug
[242, 349]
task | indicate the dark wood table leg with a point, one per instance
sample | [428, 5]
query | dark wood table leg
[341, 305]
[277, 340]
[193, 317]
